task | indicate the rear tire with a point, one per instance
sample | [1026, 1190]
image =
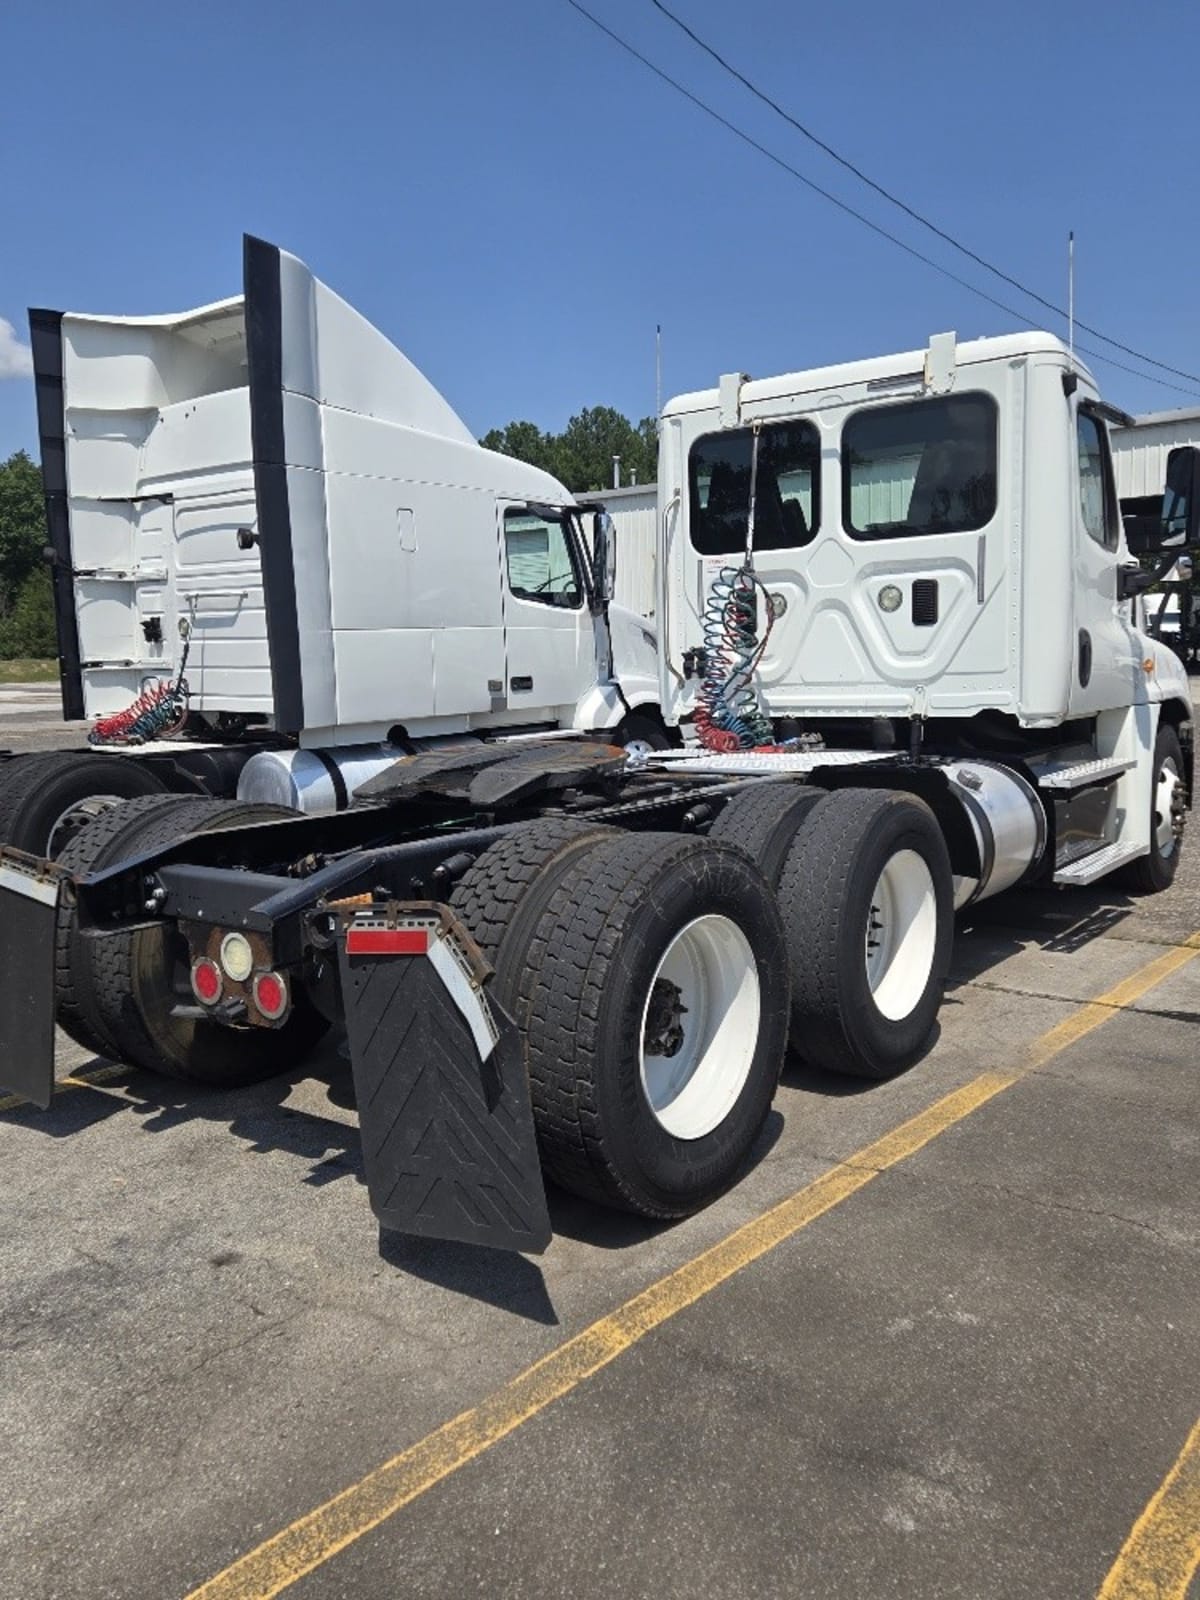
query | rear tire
[100, 842]
[124, 983]
[1153, 873]
[764, 821]
[501, 884]
[868, 905]
[652, 993]
[45, 800]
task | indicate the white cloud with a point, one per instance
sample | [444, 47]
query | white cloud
[16, 359]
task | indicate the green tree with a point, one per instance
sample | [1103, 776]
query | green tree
[28, 629]
[527, 442]
[22, 525]
[581, 456]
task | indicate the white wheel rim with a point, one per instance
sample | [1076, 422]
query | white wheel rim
[1164, 808]
[901, 936]
[700, 1027]
[75, 818]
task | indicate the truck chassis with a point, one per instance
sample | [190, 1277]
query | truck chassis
[549, 960]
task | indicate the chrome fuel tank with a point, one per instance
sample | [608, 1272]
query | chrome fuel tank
[1008, 820]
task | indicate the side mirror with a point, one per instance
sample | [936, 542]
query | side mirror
[1181, 501]
[604, 558]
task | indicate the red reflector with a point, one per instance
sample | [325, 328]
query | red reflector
[270, 995]
[386, 941]
[206, 981]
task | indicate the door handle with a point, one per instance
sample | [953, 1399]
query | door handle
[520, 685]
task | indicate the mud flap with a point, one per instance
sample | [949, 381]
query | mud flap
[28, 913]
[447, 1126]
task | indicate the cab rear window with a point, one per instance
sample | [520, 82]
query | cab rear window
[787, 494]
[921, 468]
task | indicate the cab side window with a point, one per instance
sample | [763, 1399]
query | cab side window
[1097, 492]
[539, 560]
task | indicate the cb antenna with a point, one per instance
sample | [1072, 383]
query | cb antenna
[657, 373]
[1071, 294]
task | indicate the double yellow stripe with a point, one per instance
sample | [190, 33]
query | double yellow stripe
[314, 1538]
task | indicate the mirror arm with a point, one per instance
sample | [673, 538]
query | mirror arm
[1133, 579]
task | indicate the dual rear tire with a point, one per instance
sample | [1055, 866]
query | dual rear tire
[645, 974]
[125, 995]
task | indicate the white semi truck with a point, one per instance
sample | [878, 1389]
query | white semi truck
[273, 540]
[898, 655]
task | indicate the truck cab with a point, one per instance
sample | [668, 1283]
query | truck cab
[269, 485]
[937, 536]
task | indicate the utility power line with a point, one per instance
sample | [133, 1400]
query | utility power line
[842, 205]
[908, 210]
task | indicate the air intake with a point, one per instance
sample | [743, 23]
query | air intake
[925, 602]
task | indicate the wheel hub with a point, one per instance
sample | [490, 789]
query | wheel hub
[663, 1035]
[693, 1071]
[1170, 810]
[75, 818]
[900, 937]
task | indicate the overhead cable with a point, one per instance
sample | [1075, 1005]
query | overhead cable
[850, 210]
[908, 210]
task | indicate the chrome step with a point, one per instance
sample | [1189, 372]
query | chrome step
[1096, 865]
[1079, 773]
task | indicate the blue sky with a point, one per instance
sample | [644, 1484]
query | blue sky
[517, 203]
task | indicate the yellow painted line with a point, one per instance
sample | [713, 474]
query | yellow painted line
[313, 1539]
[1161, 1556]
[76, 1080]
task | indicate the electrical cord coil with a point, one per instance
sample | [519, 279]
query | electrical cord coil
[729, 715]
[161, 709]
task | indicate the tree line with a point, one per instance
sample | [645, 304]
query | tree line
[26, 603]
[581, 456]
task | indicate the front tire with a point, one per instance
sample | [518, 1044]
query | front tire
[868, 905]
[1153, 873]
[652, 995]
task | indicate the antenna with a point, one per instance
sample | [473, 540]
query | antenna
[1071, 294]
[657, 372]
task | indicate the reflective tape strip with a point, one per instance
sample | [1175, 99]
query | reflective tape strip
[31, 888]
[386, 941]
[468, 999]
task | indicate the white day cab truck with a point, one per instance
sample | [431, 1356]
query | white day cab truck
[897, 657]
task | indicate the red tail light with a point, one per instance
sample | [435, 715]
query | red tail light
[206, 981]
[271, 995]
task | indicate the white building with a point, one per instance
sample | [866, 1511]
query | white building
[634, 512]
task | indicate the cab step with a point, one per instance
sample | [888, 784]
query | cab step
[1097, 864]
[1078, 774]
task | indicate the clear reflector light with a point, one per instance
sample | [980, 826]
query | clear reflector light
[237, 958]
[890, 598]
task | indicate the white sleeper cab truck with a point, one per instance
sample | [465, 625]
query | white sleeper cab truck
[897, 647]
[280, 559]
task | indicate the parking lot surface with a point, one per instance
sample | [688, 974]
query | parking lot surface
[943, 1339]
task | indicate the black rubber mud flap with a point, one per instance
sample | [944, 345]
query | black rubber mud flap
[443, 1102]
[29, 892]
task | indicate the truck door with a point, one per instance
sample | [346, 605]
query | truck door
[1106, 658]
[547, 628]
